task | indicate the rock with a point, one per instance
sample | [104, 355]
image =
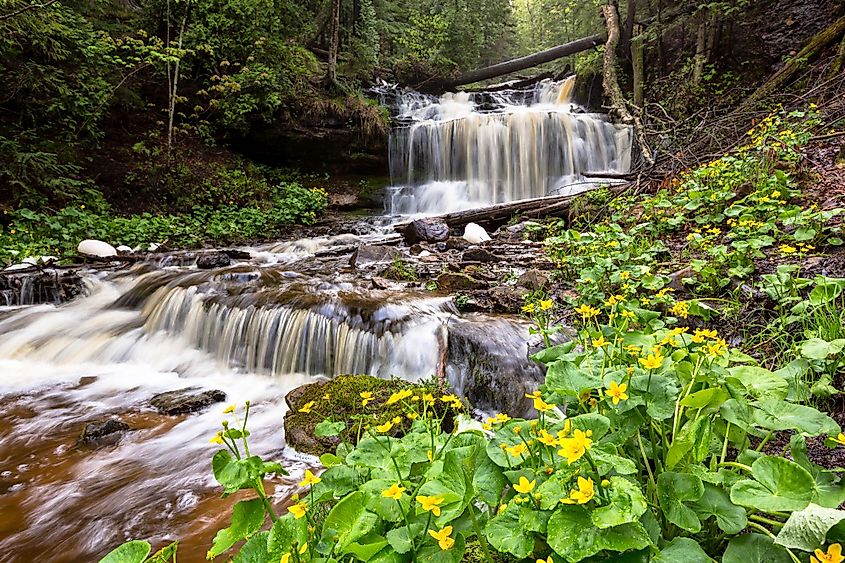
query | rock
[458, 282]
[475, 234]
[237, 254]
[97, 430]
[153, 246]
[123, 249]
[211, 260]
[520, 227]
[190, 399]
[19, 266]
[96, 248]
[366, 255]
[426, 230]
[479, 255]
[454, 243]
[676, 279]
[533, 279]
[507, 298]
[424, 254]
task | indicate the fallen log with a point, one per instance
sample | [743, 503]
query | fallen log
[815, 45]
[528, 61]
[496, 215]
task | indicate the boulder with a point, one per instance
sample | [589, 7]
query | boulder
[123, 249]
[367, 255]
[96, 248]
[190, 399]
[426, 230]
[103, 430]
[211, 260]
[533, 279]
[458, 282]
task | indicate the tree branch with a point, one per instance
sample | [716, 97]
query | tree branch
[26, 9]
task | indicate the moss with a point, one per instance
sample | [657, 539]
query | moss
[339, 400]
[474, 554]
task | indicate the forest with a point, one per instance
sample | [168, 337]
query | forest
[330, 281]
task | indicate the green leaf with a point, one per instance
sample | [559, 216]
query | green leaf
[400, 540]
[775, 414]
[759, 382]
[572, 534]
[780, 485]
[693, 438]
[488, 480]
[555, 353]
[367, 547]
[807, 529]
[716, 502]
[594, 422]
[682, 550]
[134, 551]
[712, 397]
[247, 518]
[659, 394]
[254, 550]
[567, 378]
[330, 460]
[235, 474]
[387, 508]
[818, 349]
[607, 461]
[504, 533]
[431, 552]
[754, 548]
[804, 234]
[672, 490]
[825, 292]
[348, 521]
[287, 532]
[627, 504]
[328, 428]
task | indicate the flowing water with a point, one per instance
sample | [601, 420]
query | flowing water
[292, 313]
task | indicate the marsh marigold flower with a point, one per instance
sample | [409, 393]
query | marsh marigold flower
[385, 427]
[583, 494]
[310, 479]
[366, 397]
[431, 504]
[298, 510]
[616, 392]
[443, 540]
[399, 396]
[525, 486]
[394, 491]
[840, 439]
[652, 361]
[306, 408]
[832, 555]
[586, 311]
[575, 447]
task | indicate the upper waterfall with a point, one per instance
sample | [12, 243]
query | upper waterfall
[465, 150]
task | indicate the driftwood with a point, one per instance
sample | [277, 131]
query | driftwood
[779, 79]
[522, 63]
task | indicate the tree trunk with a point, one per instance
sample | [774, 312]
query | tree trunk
[522, 63]
[612, 91]
[171, 109]
[331, 72]
[638, 64]
[700, 49]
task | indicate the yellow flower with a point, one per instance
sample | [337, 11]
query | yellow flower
[327, 397]
[582, 495]
[229, 409]
[298, 510]
[787, 249]
[528, 308]
[549, 440]
[453, 401]
[430, 504]
[629, 314]
[575, 447]
[385, 427]
[310, 479]
[412, 415]
[586, 311]
[542, 406]
[428, 398]
[502, 417]
[303, 548]
[617, 392]
[525, 486]
[599, 342]
[652, 361]
[217, 439]
[681, 309]
[285, 558]
[546, 304]
[306, 408]
[398, 396]
[546, 560]
[833, 555]
[613, 300]
[394, 491]
[718, 348]
[624, 275]
[366, 397]
[516, 450]
[533, 395]
[442, 537]
[633, 349]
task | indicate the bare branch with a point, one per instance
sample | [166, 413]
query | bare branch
[26, 9]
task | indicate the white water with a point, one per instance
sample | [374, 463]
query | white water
[463, 150]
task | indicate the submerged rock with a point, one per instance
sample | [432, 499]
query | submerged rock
[99, 431]
[211, 260]
[426, 230]
[367, 255]
[96, 248]
[533, 279]
[479, 255]
[190, 399]
[475, 234]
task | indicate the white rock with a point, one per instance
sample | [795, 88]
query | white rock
[96, 248]
[153, 246]
[424, 254]
[47, 259]
[30, 260]
[123, 249]
[475, 234]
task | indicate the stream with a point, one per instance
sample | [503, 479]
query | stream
[285, 314]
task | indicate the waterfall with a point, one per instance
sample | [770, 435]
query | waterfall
[465, 150]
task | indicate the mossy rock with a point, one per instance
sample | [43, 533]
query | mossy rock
[339, 400]
[474, 554]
